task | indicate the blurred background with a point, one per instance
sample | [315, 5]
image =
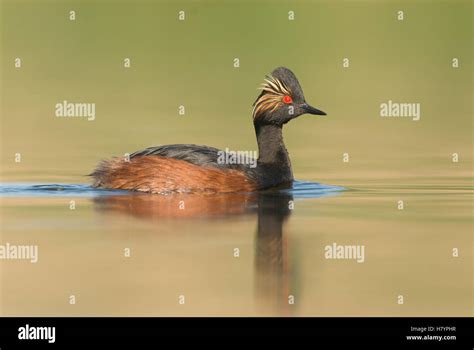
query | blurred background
[191, 63]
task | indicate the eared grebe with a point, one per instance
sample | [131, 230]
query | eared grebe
[192, 168]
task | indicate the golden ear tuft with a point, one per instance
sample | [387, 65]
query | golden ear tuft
[273, 91]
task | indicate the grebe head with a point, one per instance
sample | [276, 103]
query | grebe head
[281, 99]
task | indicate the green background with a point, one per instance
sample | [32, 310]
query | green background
[191, 63]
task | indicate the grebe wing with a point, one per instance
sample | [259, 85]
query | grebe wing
[194, 154]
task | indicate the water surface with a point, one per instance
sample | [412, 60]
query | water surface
[187, 244]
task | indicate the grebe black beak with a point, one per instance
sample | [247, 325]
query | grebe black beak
[311, 110]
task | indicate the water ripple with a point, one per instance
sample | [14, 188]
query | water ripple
[300, 189]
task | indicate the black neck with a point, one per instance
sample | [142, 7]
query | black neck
[271, 148]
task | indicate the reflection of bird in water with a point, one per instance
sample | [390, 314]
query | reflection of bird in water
[272, 279]
[179, 205]
[272, 276]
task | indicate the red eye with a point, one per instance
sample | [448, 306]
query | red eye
[287, 99]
